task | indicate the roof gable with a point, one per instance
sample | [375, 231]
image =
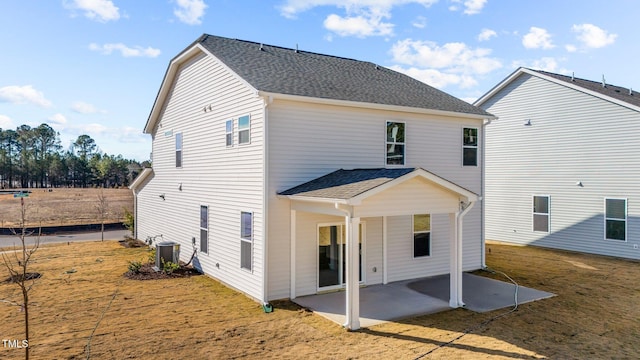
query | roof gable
[352, 186]
[615, 94]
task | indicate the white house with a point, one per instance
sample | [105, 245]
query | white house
[563, 164]
[298, 173]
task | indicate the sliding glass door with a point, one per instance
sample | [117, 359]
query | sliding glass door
[332, 256]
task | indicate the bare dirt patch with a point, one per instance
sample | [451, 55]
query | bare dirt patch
[594, 315]
[64, 206]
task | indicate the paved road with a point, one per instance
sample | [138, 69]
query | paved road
[10, 240]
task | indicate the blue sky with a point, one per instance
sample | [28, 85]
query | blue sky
[95, 66]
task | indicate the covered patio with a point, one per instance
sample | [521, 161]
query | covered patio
[362, 193]
[410, 298]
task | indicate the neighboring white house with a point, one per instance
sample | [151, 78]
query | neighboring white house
[563, 164]
[289, 168]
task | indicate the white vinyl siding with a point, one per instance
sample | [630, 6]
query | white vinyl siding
[578, 149]
[615, 219]
[227, 179]
[541, 212]
[331, 138]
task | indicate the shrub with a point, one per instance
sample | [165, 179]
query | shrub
[134, 266]
[169, 267]
[152, 255]
[129, 220]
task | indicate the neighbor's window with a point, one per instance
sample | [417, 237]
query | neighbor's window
[244, 129]
[204, 229]
[246, 239]
[470, 147]
[395, 143]
[229, 132]
[421, 235]
[541, 213]
[178, 149]
[615, 219]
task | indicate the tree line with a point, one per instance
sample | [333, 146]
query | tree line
[32, 157]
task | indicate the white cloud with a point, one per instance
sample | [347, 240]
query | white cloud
[545, 64]
[190, 11]
[571, 48]
[440, 66]
[136, 51]
[23, 95]
[537, 38]
[57, 121]
[6, 122]
[592, 36]
[100, 10]
[486, 34]
[362, 17]
[457, 57]
[360, 26]
[85, 108]
[420, 22]
[471, 7]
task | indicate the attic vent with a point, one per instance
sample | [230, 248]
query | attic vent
[166, 251]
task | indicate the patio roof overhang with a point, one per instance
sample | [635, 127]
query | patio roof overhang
[358, 193]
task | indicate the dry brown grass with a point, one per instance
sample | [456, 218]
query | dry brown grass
[594, 316]
[65, 207]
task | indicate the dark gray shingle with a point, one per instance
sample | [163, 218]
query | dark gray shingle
[287, 71]
[345, 184]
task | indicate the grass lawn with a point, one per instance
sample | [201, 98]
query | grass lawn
[594, 316]
[65, 206]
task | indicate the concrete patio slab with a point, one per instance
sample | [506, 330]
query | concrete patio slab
[403, 299]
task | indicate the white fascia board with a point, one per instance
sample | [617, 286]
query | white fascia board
[481, 100]
[140, 178]
[374, 106]
[313, 199]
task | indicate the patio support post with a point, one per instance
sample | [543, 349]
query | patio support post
[292, 236]
[455, 275]
[353, 265]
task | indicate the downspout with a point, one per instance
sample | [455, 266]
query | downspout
[265, 208]
[483, 262]
[465, 208]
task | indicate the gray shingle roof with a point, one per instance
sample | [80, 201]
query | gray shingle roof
[616, 92]
[346, 184]
[287, 71]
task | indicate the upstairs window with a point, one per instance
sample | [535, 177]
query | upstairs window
[178, 150]
[470, 147]
[229, 132]
[244, 129]
[395, 143]
[541, 213]
[204, 229]
[615, 219]
[421, 235]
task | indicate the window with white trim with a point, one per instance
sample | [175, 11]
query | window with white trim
[615, 219]
[246, 240]
[204, 229]
[421, 235]
[178, 150]
[244, 129]
[470, 147]
[229, 132]
[395, 143]
[541, 213]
